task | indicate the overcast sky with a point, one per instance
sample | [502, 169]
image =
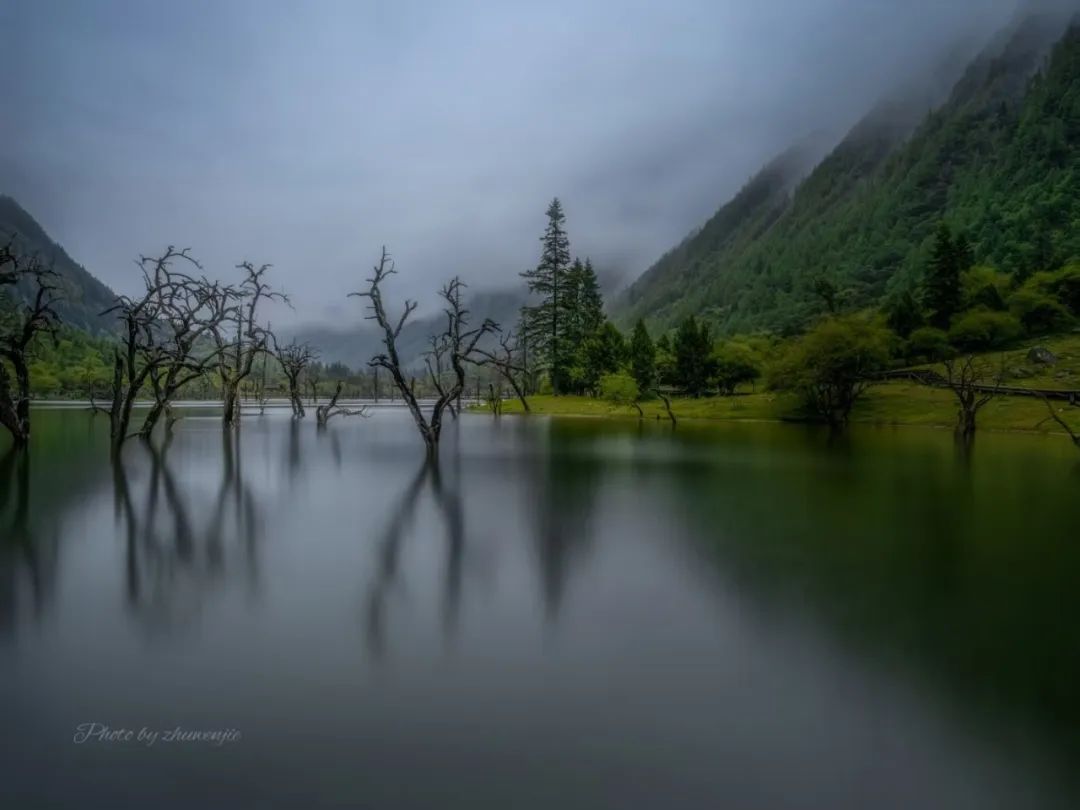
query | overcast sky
[307, 134]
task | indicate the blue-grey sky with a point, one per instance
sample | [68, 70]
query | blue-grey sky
[307, 134]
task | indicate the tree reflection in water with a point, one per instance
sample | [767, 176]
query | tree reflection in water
[172, 558]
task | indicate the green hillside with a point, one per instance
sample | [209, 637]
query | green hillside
[84, 297]
[998, 160]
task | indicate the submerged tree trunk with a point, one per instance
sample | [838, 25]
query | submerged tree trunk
[11, 411]
[231, 404]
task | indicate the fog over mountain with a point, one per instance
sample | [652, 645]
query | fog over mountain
[308, 135]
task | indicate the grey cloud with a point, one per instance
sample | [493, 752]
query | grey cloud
[310, 134]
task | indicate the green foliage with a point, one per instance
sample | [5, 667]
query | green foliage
[585, 304]
[941, 286]
[928, 344]
[983, 329]
[1063, 284]
[997, 161]
[665, 361]
[602, 352]
[833, 364]
[694, 367]
[985, 287]
[619, 389]
[903, 313]
[733, 365]
[642, 357]
[1039, 312]
[547, 322]
[74, 364]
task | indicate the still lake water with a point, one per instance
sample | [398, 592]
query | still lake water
[568, 614]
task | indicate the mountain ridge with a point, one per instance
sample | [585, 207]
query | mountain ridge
[865, 215]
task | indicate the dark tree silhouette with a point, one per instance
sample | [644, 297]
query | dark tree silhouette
[546, 322]
[509, 361]
[294, 359]
[461, 348]
[19, 325]
[974, 382]
[240, 338]
[323, 413]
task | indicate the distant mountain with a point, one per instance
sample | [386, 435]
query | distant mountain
[355, 345]
[662, 292]
[999, 156]
[84, 297]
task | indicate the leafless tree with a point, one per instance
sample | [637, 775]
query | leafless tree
[1054, 415]
[494, 400]
[160, 335]
[461, 342]
[240, 338]
[434, 360]
[974, 382]
[667, 405]
[19, 325]
[323, 413]
[294, 359]
[312, 375]
[188, 311]
[509, 361]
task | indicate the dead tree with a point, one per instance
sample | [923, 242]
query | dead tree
[240, 338]
[294, 360]
[188, 312]
[433, 359]
[19, 325]
[323, 413]
[974, 383]
[460, 340]
[504, 360]
[311, 378]
[1061, 423]
[667, 405]
[494, 400]
[461, 346]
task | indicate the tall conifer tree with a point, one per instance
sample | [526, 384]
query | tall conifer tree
[545, 321]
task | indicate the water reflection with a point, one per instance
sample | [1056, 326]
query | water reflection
[23, 551]
[736, 615]
[175, 554]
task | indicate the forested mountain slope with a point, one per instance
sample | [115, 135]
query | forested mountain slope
[1000, 159]
[84, 297]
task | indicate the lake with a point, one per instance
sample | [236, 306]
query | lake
[565, 614]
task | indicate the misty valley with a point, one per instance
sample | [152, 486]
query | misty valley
[606, 405]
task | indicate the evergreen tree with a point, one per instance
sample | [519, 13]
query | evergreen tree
[903, 314]
[603, 352]
[545, 323]
[942, 288]
[576, 330]
[590, 302]
[642, 357]
[693, 357]
[665, 361]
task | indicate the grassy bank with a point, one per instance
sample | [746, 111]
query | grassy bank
[891, 403]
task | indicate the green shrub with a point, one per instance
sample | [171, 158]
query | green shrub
[734, 364]
[619, 389]
[985, 287]
[1039, 312]
[928, 343]
[983, 329]
[833, 364]
[1063, 284]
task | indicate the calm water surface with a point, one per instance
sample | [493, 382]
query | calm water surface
[566, 614]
